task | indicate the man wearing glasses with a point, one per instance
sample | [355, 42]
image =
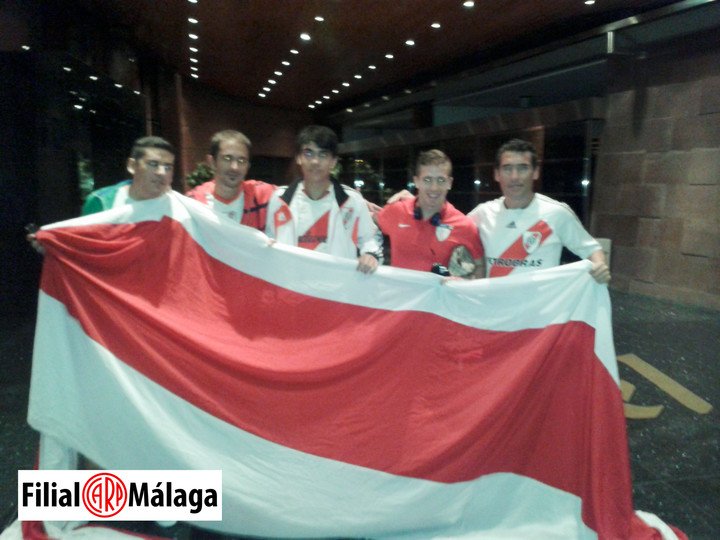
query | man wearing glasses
[524, 230]
[428, 233]
[151, 164]
[229, 193]
[317, 212]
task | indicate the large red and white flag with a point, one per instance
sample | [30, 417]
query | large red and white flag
[336, 403]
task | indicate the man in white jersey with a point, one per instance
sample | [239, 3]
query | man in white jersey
[524, 230]
[319, 213]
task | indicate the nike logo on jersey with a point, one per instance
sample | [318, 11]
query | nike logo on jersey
[403, 225]
[512, 225]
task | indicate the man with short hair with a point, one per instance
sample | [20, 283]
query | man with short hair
[317, 212]
[524, 230]
[229, 193]
[151, 163]
[426, 231]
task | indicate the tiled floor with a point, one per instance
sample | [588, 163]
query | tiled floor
[675, 456]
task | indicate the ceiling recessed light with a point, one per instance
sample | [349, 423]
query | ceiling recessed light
[589, 2]
[136, 92]
[193, 36]
[469, 3]
[305, 36]
[318, 102]
[278, 73]
[266, 88]
[319, 18]
[389, 56]
[272, 81]
[285, 63]
[326, 97]
[371, 66]
[194, 68]
[435, 25]
[118, 85]
[410, 42]
[26, 47]
[408, 91]
[346, 84]
[294, 51]
[366, 105]
[68, 69]
[358, 76]
[335, 91]
[192, 20]
[311, 106]
[194, 60]
[261, 94]
[194, 49]
[386, 98]
[348, 109]
[193, 1]
[93, 77]
[194, 75]
[78, 107]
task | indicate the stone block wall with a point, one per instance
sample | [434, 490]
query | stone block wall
[657, 182]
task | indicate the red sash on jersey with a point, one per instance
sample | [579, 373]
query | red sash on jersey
[518, 249]
[315, 235]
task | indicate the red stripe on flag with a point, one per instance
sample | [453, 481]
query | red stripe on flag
[409, 393]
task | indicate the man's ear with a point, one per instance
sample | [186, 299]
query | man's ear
[450, 181]
[210, 160]
[131, 166]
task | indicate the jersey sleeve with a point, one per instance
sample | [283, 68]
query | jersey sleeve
[369, 236]
[574, 236]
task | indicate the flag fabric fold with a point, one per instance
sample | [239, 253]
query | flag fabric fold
[393, 405]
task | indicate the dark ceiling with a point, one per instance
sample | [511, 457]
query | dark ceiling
[242, 43]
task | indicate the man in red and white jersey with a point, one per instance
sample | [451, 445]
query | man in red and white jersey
[319, 213]
[229, 193]
[524, 230]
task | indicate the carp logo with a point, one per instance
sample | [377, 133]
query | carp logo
[531, 240]
[104, 495]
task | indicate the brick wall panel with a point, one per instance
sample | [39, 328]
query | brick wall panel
[649, 232]
[666, 167]
[673, 100]
[623, 168]
[697, 132]
[710, 95]
[701, 239]
[704, 166]
[694, 202]
[622, 230]
[646, 200]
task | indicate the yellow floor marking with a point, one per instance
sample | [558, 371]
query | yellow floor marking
[627, 390]
[666, 384]
[642, 412]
